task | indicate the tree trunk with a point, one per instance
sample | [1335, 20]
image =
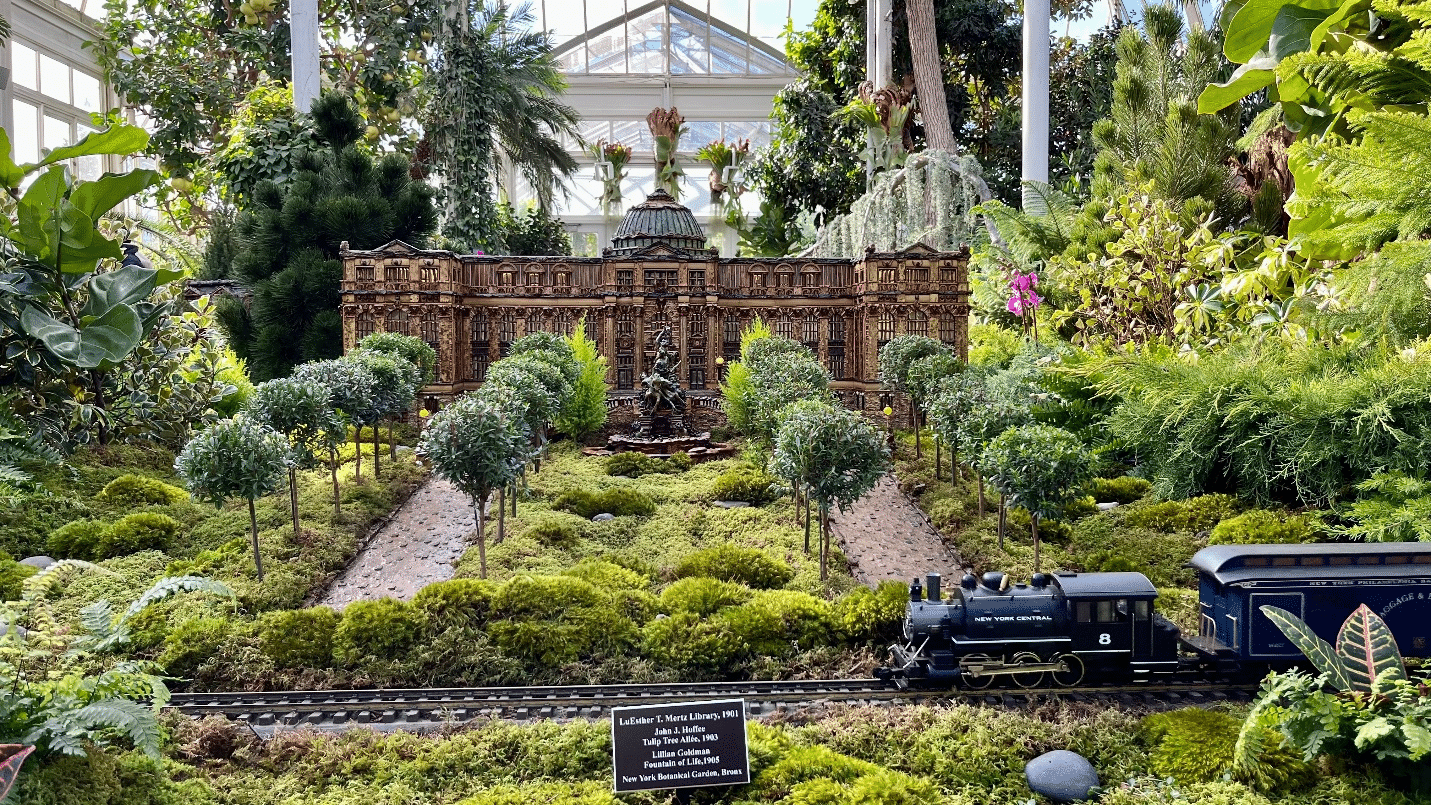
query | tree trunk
[96, 378]
[333, 466]
[377, 473]
[253, 538]
[514, 498]
[501, 514]
[358, 460]
[1003, 518]
[824, 541]
[928, 77]
[392, 440]
[478, 506]
[955, 476]
[293, 497]
[938, 458]
[981, 491]
[1034, 524]
[807, 525]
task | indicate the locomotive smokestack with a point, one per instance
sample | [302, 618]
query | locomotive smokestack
[916, 593]
[931, 586]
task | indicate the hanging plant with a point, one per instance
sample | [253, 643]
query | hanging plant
[888, 115]
[727, 178]
[611, 160]
[667, 127]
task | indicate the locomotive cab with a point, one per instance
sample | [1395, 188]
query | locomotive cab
[1113, 626]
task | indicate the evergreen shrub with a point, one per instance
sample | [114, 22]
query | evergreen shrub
[744, 484]
[1125, 489]
[550, 620]
[1192, 744]
[686, 642]
[748, 566]
[381, 629]
[553, 528]
[1261, 527]
[12, 577]
[140, 531]
[298, 638]
[608, 575]
[702, 595]
[454, 603]
[1194, 514]
[619, 501]
[137, 490]
[866, 614]
[193, 641]
[774, 623]
[77, 540]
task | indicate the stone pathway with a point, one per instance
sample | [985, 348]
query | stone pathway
[417, 547]
[886, 536]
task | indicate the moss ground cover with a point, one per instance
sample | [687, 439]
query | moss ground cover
[959, 755]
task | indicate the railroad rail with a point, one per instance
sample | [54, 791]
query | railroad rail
[428, 709]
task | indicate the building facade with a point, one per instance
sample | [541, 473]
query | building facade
[657, 274]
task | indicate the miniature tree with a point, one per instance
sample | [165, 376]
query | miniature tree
[541, 390]
[834, 453]
[235, 458]
[415, 351]
[955, 400]
[351, 388]
[897, 358]
[584, 412]
[396, 381]
[476, 446]
[1038, 468]
[922, 381]
[300, 410]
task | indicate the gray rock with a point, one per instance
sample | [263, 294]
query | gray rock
[1061, 775]
[603, 517]
[732, 504]
[12, 630]
[1103, 507]
[40, 562]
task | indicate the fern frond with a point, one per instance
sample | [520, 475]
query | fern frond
[58, 573]
[134, 720]
[171, 586]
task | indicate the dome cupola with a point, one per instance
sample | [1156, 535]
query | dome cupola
[658, 219]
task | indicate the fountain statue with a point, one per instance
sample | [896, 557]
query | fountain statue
[662, 401]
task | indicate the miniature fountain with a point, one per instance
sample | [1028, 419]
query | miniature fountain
[663, 427]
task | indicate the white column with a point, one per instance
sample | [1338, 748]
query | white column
[306, 46]
[1035, 101]
[879, 62]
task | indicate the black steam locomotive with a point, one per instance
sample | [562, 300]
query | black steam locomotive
[1068, 627]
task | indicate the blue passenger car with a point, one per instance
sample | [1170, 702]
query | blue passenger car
[1320, 583]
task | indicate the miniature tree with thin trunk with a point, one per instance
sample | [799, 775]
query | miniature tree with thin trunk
[300, 410]
[235, 458]
[1038, 468]
[479, 448]
[396, 383]
[834, 452]
[897, 360]
[351, 389]
[411, 348]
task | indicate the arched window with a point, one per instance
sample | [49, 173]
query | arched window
[396, 321]
[367, 324]
[917, 323]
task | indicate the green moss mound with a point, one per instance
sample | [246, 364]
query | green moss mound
[1261, 527]
[727, 562]
[1191, 745]
[137, 490]
[298, 638]
[620, 502]
[744, 484]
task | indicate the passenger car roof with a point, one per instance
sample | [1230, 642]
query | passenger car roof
[1225, 563]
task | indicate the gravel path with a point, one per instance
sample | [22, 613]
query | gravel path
[886, 536]
[417, 547]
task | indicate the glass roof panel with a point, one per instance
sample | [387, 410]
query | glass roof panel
[680, 39]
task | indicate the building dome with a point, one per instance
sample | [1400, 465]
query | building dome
[658, 219]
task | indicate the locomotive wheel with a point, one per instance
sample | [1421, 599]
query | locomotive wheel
[977, 682]
[1073, 675]
[1027, 679]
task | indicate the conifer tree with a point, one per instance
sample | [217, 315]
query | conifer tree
[289, 240]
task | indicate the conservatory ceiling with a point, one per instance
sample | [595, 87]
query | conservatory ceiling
[720, 62]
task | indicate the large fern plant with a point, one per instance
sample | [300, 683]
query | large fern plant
[69, 686]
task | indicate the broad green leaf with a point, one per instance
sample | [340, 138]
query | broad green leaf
[1345, 12]
[1318, 651]
[1292, 30]
[106, 340]
[1251, 27]
[36, 213]
[59, 338]
[10, 173]
[1368, 651]
[105, 193]
[1247, 79]
[123, 139]
[123, 286]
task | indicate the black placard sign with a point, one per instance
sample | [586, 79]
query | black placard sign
[679, 745]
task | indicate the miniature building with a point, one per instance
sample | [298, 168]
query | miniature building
[657, 273]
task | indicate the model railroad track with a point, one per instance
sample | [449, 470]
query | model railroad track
[423, 709]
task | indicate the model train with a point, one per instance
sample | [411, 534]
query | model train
[1068, 627]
